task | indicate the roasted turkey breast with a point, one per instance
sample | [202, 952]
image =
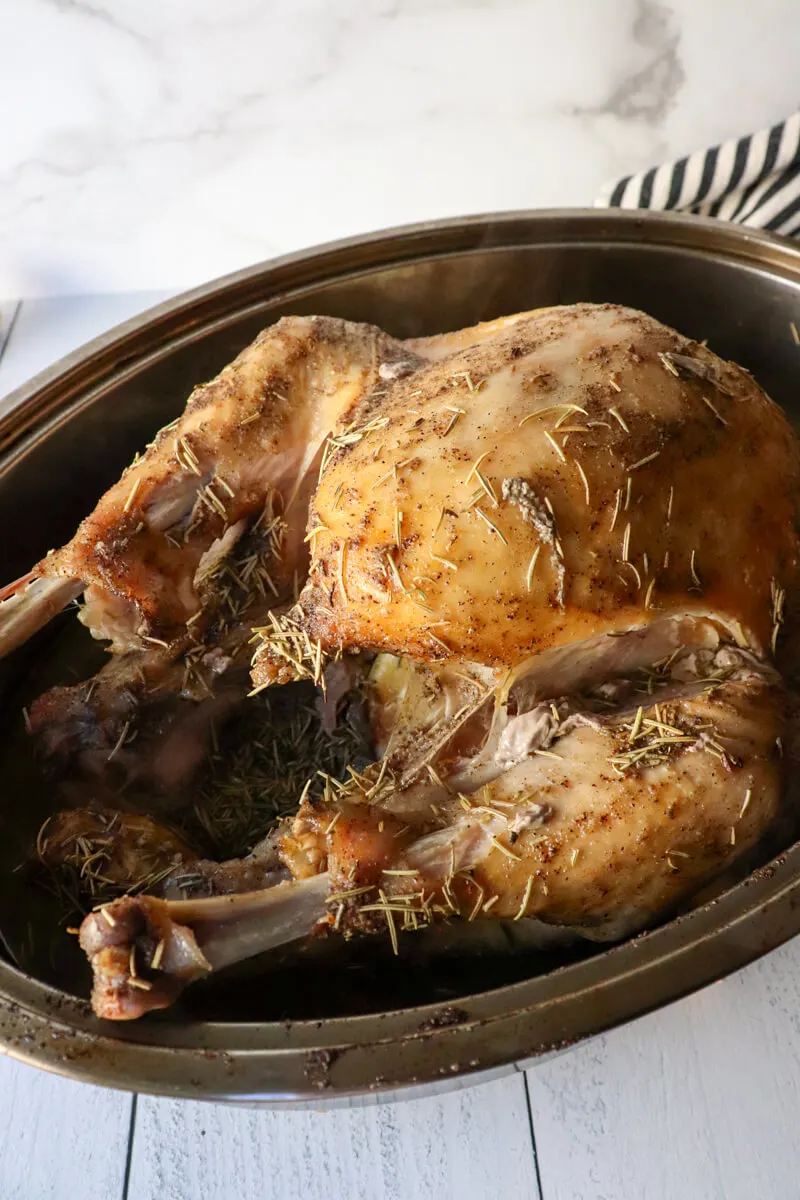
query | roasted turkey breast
[566, 472]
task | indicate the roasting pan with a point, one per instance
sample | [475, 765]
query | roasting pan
[66, 435]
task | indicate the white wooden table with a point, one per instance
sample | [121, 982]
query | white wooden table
[698, 1101]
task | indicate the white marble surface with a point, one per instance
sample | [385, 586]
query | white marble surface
[154, 145]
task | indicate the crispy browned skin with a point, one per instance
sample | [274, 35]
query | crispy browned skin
[643, 484]
[249, 438]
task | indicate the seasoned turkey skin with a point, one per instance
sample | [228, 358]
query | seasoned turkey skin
[248, 439]
[597, 821]
[549, 477]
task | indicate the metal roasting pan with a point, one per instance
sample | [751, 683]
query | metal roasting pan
[65, 436]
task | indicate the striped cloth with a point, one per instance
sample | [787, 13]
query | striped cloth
[754, 180]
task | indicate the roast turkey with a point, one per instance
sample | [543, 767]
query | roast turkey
[559, 551]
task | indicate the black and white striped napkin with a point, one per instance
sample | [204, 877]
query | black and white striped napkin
[754, 180]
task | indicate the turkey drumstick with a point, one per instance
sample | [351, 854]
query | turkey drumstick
[144, 951]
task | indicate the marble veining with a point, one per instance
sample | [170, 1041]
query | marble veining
[155, 145]
[647, 94]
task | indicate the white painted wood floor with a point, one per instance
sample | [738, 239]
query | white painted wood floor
[698, 1102]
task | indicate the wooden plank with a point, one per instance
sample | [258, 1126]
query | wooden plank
[698, 1100]
[468, 1145]
[59, 1138]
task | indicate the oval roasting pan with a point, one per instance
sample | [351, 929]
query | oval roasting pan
[65, 436]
